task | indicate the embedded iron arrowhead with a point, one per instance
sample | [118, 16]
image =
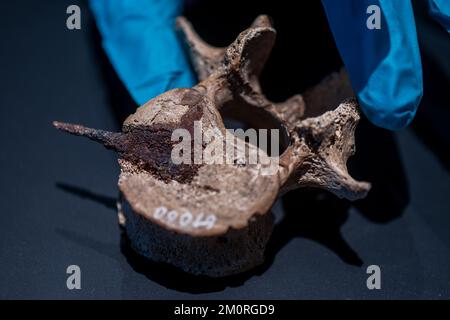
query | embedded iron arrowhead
[210, 217]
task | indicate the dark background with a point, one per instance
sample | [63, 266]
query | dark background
[58, 192]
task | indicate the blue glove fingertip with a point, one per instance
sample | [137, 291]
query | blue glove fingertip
[383, 63]
[391, 116]
[440, 11]
[141, 43]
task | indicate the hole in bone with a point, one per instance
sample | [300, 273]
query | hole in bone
[238, 114]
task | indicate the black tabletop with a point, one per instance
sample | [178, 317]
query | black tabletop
[58, 192]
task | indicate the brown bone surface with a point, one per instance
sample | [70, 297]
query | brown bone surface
[215, 219]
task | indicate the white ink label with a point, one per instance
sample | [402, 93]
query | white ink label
[186, 219]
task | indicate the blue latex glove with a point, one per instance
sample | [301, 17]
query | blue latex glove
[140, 40]
[440, 11]
[384, 65]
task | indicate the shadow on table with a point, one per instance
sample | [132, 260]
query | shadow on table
[322, 226]
[378, 161]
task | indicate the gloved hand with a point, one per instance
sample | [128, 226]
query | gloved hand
[383, 64]
[141, 42]
[440, 11]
